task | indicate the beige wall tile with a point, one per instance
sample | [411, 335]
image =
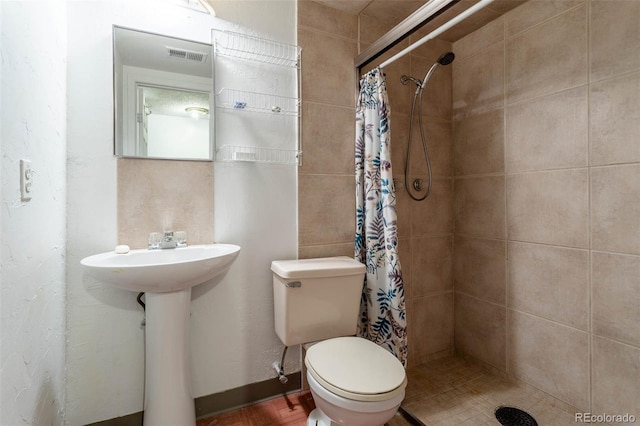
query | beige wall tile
[615, 377]
[392, 11]
[534, 12]
[478, 144]
[327, 68]
[551, 282]
[403, 208]
[158, 194]
[313, 15]
[327, 250]
[411, 332]
[433, 216]
[503, 6]
[438, 140]
[480, 330]
[490, 34]
[548, 58]
[479, 82]
[479, 207]
[431, 265]
[399, 139]
[432, 320]
[479, 268]
[326, 209]
[548, 132]
[616, 297]
[371, 29]
[615, 208]
[404, 253]
[400, 95]
[615, 37]
[327, 148]
[615, 120]
[549, 207]
[551, 357]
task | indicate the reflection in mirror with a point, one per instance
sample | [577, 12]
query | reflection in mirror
[162, 96]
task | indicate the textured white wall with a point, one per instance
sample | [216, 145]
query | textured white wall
[33, 233]
[232, 323]
[255, 206]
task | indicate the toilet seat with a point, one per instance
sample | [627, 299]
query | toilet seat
[356, 369]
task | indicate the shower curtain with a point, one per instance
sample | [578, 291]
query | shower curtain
[382, 310]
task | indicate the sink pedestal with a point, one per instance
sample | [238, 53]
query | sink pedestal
[168, 398]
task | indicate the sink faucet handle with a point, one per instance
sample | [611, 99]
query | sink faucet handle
[155, 238]
[180, 238]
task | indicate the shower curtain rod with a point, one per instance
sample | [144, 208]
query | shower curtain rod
[402, 30]
[423, 13]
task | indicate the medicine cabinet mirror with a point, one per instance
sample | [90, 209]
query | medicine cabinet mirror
[163, 96]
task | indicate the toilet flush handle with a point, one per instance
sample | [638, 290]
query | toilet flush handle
[293, 284]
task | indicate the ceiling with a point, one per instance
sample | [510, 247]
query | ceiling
[152, 51]
[392, 12]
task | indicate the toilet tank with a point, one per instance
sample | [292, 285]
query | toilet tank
[316, 299]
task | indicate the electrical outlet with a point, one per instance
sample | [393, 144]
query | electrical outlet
[26, 180]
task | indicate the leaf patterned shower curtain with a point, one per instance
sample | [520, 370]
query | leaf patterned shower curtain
[382, 311]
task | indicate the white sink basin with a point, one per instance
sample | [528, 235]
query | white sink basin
[161, 271]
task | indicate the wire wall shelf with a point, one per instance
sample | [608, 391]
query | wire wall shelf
[240, 100]
[251, 154]
[237, 45]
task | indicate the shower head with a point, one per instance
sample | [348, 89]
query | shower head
[446, 58]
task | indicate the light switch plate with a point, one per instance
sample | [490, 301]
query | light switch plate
[26, 180]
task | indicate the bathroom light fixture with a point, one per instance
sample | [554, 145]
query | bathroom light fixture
[202, 6]
[208, 7]
[197, 111]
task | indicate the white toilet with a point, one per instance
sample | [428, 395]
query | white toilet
[353, 381]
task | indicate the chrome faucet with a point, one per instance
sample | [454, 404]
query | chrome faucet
[167, 240]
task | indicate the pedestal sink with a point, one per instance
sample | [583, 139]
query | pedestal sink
[166, 277]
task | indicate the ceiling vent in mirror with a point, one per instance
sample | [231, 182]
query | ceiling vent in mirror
[187, 55]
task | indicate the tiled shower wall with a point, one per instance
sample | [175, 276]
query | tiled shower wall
[329, 39]
[546, 112]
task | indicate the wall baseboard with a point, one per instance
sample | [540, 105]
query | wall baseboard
[210, 405]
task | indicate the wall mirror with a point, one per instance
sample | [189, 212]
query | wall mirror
[163, 96]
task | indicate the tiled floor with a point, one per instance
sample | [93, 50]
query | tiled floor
[445, 392]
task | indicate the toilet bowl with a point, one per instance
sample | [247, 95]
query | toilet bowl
[353, 382]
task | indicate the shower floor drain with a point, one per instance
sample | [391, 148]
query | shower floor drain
[510, 416]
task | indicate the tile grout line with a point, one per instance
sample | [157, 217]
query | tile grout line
[589, 204]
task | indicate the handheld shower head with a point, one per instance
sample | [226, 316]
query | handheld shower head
[446, 58]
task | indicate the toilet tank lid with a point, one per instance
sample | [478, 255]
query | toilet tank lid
[317, 268]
